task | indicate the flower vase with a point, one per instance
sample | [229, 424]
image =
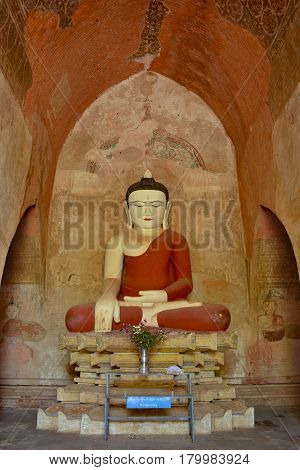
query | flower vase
[144, 368]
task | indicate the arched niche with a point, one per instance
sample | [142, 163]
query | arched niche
[23, 262]
[147, 121]
[15, 153]
[22, 328]
[275, 298]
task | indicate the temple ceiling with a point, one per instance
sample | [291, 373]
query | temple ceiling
[268, 20]
[13, 17]
[210, 46]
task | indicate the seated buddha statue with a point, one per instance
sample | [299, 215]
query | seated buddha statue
[147, 273]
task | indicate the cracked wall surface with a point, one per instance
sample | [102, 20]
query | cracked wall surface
[268, 20]
[13, 54]
[150, 44]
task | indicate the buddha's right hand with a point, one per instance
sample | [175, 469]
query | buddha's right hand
[106, 309]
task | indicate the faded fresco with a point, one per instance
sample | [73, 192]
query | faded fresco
[22, 327]
[276, 293]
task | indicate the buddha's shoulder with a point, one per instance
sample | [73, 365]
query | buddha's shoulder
[123, 240]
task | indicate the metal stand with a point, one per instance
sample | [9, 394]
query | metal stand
[190, 417]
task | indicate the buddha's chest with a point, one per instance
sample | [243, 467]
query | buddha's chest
[154, 257]
[134, 247]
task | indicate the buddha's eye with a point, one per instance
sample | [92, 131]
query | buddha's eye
[137, 204]
[154, 204]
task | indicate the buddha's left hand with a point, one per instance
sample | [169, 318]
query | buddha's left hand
[149, 296]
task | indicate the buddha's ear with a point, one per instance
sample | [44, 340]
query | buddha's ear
[166, 216]
[128, 215]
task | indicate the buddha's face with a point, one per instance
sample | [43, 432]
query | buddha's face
[269, 307]
[147, 208]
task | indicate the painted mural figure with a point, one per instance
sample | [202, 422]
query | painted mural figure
[147, 273]
[271, 325]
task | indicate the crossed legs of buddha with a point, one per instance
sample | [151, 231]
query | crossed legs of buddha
[208, 317]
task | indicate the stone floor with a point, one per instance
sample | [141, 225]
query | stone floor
[279, 430]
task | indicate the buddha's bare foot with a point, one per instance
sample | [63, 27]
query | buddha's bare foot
[151, 310]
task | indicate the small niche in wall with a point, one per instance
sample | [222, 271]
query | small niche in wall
[276, 303]
[275, 265]
[23, 263]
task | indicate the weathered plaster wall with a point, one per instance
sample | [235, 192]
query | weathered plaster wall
[286, 144]
[256, 173]
[15, 152]
[22, 331]
[275, 289]
[286, 66]
[24, 167]
[274, 354]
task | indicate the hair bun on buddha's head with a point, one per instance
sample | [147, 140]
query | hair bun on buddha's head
[147, 182]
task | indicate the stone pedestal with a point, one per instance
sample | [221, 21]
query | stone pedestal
[80, 406]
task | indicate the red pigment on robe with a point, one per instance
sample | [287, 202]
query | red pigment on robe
[164, 266]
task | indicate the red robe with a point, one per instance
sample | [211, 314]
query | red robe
[164, 266]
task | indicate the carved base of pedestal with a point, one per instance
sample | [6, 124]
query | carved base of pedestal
[89, 419]
[80, 408]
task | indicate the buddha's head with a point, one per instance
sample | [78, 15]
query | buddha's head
[147, 204]
[270, 304]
